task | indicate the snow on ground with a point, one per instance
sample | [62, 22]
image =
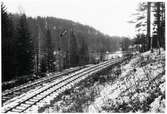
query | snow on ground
[139, 88]
[135, 85]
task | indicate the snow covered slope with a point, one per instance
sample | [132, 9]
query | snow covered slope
[139, 87]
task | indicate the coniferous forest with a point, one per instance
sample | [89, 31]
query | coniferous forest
[150, 30]
[48, 44]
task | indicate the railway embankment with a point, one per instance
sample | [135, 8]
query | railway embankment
[137, 85]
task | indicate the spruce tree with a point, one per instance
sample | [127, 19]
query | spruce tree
[8, 45]
[24, 48]
[159, 23]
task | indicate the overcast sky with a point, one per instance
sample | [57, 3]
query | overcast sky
[108, 16]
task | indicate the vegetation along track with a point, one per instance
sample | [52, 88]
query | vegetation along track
[57, 87]
[9, 94]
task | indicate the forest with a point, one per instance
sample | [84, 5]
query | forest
[34, 45]
[48, 44]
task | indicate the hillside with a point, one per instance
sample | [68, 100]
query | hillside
[95, 39]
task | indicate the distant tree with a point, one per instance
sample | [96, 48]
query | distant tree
[43, 68]
[50, 50]
[8, 45]
[24, 48]
[125, 43]
[141, 39]
[83, 53]
[73, 50]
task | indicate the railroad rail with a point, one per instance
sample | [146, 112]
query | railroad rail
[9, 94]
[25, 103]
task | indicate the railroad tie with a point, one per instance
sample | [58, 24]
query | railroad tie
[37, 98]
[33, 100]
[16, 110]
[19, 108]
[29, 102]
[24, 105]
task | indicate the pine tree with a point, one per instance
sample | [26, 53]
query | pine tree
[158, 38]
[24, 48]
[159, 30]
[143, 23]
[8, 45]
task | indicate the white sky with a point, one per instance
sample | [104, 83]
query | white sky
[108, 16]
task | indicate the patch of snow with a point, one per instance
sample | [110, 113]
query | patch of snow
[162, 87]
[155, 105]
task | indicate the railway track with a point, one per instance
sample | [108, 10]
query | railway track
[53, 89]
[16, 91]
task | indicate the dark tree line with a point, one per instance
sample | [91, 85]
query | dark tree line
[8, 65]
[125, 43]
[46, 44]
[24, 48]
[17, 47]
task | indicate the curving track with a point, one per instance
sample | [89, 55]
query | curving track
[9, 94]
[25, 103]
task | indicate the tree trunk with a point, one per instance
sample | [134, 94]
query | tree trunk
[148, 25]
[158, 26]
